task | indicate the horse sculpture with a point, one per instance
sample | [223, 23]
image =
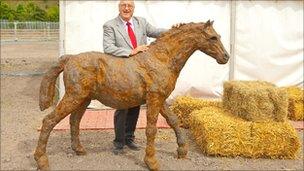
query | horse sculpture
[121, 83]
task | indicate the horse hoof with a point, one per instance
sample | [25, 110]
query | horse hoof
[80, 151]
[152, 164]
[43, 163]
[182, 152]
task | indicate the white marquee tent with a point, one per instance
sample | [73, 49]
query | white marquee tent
[264, 38]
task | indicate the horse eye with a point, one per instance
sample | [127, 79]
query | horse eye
[213, 38]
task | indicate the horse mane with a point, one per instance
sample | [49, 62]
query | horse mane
[175, 31]
[173, 35]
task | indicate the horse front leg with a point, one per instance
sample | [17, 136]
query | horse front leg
[154, 104]
[67, 105]
[75, 119]
[173, 121]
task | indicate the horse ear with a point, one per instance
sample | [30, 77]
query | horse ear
[207, 24]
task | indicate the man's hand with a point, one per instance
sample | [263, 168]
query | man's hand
[138, 49]
[177, 25]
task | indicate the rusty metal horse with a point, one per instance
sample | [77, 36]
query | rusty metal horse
[120, 83]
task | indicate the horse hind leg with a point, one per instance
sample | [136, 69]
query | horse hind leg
[172, 120]
[68, 104]
[75, 119]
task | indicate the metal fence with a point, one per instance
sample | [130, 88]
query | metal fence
[29, 31]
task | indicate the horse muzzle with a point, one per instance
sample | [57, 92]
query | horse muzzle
[224, 59]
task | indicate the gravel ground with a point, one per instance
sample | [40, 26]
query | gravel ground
[20, 118]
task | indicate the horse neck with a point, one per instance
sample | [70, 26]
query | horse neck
[180, 57]
[179, 49]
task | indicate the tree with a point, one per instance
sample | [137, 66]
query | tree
[7, 13]
[53, 14]
[34, 12]
[21, 13]
[28, 11]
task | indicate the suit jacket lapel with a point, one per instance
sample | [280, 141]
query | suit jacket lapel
[137, 30]
[122, 31]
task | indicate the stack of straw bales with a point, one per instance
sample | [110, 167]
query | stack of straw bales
[296, 100]
[251, 121]
[257, 101]
[219, 132]
[184, 105]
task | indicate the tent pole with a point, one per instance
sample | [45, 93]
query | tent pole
[62, 50]
[232, 38]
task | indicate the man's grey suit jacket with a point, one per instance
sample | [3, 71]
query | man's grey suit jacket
[116, 40]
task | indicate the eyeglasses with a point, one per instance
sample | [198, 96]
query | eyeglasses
[126, 5]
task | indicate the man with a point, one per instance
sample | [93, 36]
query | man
[125, 36]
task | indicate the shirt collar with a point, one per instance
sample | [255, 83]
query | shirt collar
[125, 23]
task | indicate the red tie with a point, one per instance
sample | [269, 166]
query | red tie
[132, 35]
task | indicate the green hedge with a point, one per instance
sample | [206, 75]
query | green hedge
[28, 11]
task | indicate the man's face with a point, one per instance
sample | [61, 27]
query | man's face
[126, 9]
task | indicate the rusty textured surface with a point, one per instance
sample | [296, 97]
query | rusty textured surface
[120, 83]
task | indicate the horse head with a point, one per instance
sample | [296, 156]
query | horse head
[209, 42]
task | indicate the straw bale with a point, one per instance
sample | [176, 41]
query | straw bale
[257, 101]
[275, 140]
[296, 100]
[184, 105]
[218, 132]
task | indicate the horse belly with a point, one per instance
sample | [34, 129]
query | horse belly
[121, 91]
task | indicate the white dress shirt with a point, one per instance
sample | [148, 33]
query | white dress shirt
[125, 24]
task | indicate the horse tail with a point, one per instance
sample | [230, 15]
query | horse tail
[47, 86]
